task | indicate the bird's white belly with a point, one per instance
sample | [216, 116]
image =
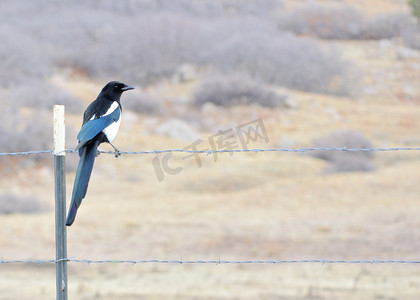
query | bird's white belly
[112, 130]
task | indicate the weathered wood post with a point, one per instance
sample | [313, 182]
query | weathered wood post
[60, 203]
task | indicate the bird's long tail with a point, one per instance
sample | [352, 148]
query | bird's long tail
[84, 169]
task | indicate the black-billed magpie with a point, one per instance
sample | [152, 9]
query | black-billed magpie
[101, 122]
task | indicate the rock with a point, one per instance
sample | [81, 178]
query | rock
[404, 53]
[290, 101]
[177, 129]
[209, 108]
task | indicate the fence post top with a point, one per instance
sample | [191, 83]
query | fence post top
[59, 131]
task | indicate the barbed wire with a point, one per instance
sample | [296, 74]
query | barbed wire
[216, 262]
[208, 152]
[27, 152]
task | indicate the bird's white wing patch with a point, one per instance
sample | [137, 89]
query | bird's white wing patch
[111, 109]
[112, 130]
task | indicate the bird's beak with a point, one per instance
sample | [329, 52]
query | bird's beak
[127, 88]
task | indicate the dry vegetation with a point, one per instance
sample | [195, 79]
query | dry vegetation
[216, 65]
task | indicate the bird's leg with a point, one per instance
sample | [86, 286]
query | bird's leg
[117, 152]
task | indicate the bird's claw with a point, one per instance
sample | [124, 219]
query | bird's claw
[117, 153]
[97, 153]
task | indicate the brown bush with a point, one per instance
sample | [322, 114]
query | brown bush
[411, 36]
[44, 95]
[344, 161]
[21, 58]
[13, 204]
[22, 133]
[148, 41]
[142, 103]
[342, 23]
[285, 60]
[229, 91]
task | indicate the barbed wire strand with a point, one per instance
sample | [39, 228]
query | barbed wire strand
[26, 152]
[216, 262]
[208, 152]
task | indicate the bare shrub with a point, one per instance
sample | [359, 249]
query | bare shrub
[148, 40]
[43, 95]
[350, 163]
[344, 22]
[315, 19]
[411, 36]
[223, 30]
[21, 57]
[14, 204]
[385, 26]
[344, 161]
[285, 60]
[142, 103]
[24, 131]
[236, 90]
[140, 33]
[261, 8]
[202, 8]
[159, 44]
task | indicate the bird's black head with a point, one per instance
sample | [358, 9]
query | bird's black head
[115, 88]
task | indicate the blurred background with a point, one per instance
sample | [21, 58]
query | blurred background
[216, 74]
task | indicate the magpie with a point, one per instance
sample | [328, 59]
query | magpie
[101, 122]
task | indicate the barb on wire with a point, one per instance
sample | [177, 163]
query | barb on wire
[208, 152]
[216, 262]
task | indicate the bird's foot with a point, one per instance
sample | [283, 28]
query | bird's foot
[97, 153]
[117, 153]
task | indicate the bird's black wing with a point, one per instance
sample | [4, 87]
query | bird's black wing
[92, 127]
[90, 111]
[97, 108]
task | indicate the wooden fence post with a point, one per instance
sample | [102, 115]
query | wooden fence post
[60, 203]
